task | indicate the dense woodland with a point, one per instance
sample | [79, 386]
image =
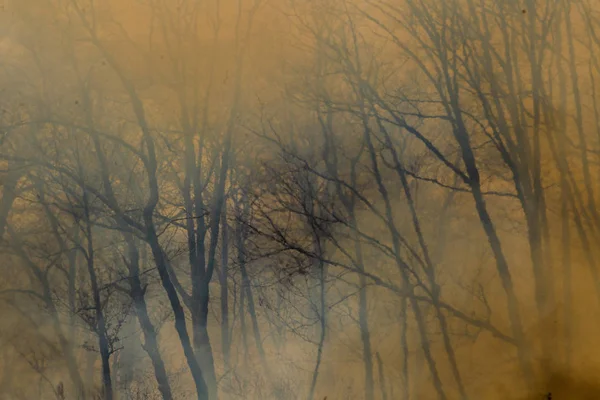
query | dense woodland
[299, 199]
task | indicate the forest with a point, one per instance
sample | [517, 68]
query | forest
[299, 199]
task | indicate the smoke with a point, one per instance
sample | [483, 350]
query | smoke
[392, 176]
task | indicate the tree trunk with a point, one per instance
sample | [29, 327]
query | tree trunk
[405, 349]
[247, 291]
[567, 280]
[223, 278]
[243, 328]
[401, 265]
[512, 303]
[247, 284]
[430, 266]
[202, 344]
[141, 310]
[384, 395]
[365, 336]
[179, 314]
[322, 319]
[100, 327]
[363, 318]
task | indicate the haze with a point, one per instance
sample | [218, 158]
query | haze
[299, 199]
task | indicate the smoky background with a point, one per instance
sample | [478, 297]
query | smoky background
[282, 199]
